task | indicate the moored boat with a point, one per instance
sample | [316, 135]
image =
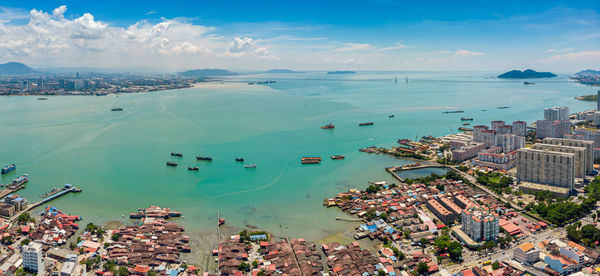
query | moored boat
[310, 160]
[21, 180]
[466, 119]
[203, 158]
[239, 160]
[337, 157]
[8, 169]
[328, 126]
[250, 166]
[220, 221]
[392, 116]
[116, 109]
[171, 164]
[466, 124]
[42, 99]
[464, 129]
[366, 124]
[193, 168]
[177, 154]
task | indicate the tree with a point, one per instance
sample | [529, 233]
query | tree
[455, 250]
[495, 265]
[255, 264]
[109, 265]
[380, 273]
[25, 242]
[244, 267]
[422, 268]
[122, 271]
[7, 240]
[114, 237]
[23, 218]
[372, 189]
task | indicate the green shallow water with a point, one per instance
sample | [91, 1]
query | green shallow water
[118, 158]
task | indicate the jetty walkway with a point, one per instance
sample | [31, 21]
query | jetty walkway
[45, 200]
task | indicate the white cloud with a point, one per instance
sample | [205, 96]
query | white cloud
[466, 53]
[584, 57]
[55, 40]
[348, 47]
[397, 45]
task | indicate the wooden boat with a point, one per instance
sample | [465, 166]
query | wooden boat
[310, 160]
[203, 158]
[250, 166]
[328, 126]
[171, 164]
[239, 160]
[177, 154]
[193, 168]
[366, 124]
[337, 157]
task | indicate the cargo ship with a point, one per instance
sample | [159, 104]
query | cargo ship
[8, 169]
[250, 166]
[171, 164]
[311, 160]
[203, 158]
[193, 168]
[466, 119]
[328, 126]
[337, 157]
[366, 124]
[176, 154]
[116, 109]
[20, 180]
[239, 160]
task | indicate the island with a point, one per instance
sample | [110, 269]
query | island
[588, 98]
[527, 74]
[591, 77]
[340, 72]
[280, 71]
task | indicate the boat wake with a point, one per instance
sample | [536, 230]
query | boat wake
[271, 183]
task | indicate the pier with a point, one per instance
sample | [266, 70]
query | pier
[8, 191]
[30, 207]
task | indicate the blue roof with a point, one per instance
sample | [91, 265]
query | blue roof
[258, 237]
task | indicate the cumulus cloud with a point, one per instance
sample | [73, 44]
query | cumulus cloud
[466, 53]
[584, 57]
[53, 39]
[397, 45]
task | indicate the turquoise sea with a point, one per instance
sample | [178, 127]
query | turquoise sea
[118, 158]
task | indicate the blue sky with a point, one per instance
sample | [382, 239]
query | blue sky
[560, 36]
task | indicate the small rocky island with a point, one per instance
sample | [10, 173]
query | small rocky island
[527, 74]
[340, 72]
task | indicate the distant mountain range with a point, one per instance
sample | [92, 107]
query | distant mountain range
[207, 73]
[527, 74]
[340, 72]
[15, 68]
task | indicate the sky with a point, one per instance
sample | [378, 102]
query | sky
[169, 36]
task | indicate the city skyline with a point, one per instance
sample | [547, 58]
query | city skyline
[377, 35]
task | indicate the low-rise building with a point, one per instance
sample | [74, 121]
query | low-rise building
[526, 253]
[440, 211]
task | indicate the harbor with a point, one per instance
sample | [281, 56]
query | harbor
[68, 188]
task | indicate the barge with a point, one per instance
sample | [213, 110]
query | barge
[8, 169]
[366, 124]
[171, 164]
[203, 158]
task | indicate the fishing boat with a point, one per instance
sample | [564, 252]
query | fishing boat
[328, 126]
[20, 180]
[366, 124]
[42, 99]
[239, 160]
[250, 166]
[528, 83]
[337, 157]
[193, 168]
[116, 109]
[392, 116]
[177, 154]
[171, 164]
[502, 107]
[310, 160]
[466, 124]
[453, 111]
[8, 169]
[203, 158]
[466, 119]
[464, 129]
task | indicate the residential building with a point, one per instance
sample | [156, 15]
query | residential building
[588, 145]
[509, 142]
[556, 129]
[546, 167]
[477, 133]
[556, 113]
[479, 223]
[496, 125]
[440, 211]
[580, 155]
[596, 118]
[519, 128]
[561, 264]
[526, 253]
[504, 129]
[468, 151]
[20, 203]
[489, 138]
[598, 100]
[33, 260]
[7, 210]
[494, 158]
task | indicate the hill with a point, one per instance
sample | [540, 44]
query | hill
[588, 72]
[207, 73]
[15, 68]
[280, 71]
[340, 72]
[527, 74]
